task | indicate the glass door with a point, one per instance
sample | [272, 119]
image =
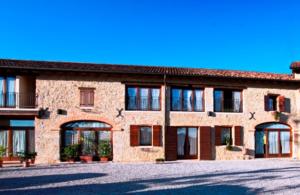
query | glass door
[187, 144]
[260, 140]
[285, 143]
[88, 140]
[273, 143]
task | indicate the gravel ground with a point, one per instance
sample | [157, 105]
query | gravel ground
[279, 176]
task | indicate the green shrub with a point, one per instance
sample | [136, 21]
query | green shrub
[2, 151]
[71, 152]
[24, 156]
[105, 148]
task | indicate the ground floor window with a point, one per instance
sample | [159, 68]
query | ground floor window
[17, 136]
[273, 140]
[87, 134]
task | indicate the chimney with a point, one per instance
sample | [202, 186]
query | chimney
[295, 66]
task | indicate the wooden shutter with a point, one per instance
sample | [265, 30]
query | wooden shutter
[266, 103]
[157, 135]
[134, 135]
[171, 143]
[238, 135]
[205, 143]
[87, 96]
[218, 140]
[281, 101]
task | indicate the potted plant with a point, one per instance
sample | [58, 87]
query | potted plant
[70, 153]
[88, 148]
[2, 153]
[105, 150]
[228, 143]
[32, 157]
[276, 115]
[24, 158]
[159, 160]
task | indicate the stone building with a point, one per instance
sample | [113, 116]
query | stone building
[147, 113]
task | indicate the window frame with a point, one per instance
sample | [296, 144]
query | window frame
[91, 96]
[230, 131]
[194, 89]
[222, 100]
[5, 79]
[138, 97]
[275, 103]
[139, 135]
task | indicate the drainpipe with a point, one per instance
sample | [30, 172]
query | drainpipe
[165, 113]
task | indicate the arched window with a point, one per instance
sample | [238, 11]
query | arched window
[86, 133]
[273, 140]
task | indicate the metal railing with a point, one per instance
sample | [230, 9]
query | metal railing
[18, 100]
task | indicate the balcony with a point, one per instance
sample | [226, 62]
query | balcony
[18, 100]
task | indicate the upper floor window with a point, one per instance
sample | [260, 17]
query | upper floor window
[142, 98]
[271, 102]
[7, 91]
[276, 102]
[86, 97]
[228, 100]
[187, 99]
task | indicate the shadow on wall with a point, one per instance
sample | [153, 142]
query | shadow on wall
[208, 183]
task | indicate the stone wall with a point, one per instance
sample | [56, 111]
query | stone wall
[62, 92]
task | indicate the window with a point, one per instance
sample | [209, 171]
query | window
[7, 91]
[271, 102]
[187, 99]
[86, 97]
[89, 134]
[225, 135]
[141, 135]
[142, 98]
[145, 136]
[17, 136]
[227, 100]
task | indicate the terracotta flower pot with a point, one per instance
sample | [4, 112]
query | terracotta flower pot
[71, 160]
[32, 161]
[104, 159]
[26, 163]
[86, 159]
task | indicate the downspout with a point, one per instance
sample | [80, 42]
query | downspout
[165, 112]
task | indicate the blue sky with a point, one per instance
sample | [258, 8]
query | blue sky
[257, 35]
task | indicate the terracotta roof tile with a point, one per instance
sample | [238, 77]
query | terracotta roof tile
[133, 69]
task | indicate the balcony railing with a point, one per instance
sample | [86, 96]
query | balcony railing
[143, 103]
[18, 100]
[228, 105]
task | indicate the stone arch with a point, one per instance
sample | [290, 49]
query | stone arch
[65, 120]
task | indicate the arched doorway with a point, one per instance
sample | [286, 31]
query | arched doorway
[88, 134]
[273, 140]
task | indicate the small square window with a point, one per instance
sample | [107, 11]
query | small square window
[226, 135]
[272, 102]
[87, 97]
[145, 136]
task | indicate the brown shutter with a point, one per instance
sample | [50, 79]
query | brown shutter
[281, 101]
[134, 135]
[171, 143]
[157, 135]
[218, 140]
[266, 103]
[238, 135]
[205, 143]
